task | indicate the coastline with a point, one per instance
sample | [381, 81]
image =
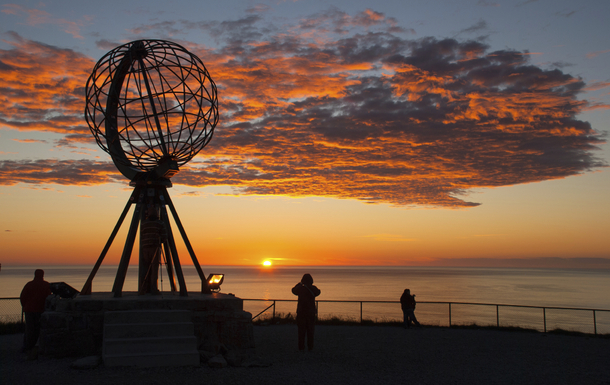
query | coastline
[359, 355]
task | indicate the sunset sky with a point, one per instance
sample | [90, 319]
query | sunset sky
[437, 133]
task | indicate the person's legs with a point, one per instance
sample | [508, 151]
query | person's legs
[32, 330]
[412, 317]
[311, 325]
[405, 316]
[27, 336]
[302, 326]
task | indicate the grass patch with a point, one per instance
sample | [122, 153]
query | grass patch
[289, 318]
[474, 326]
[577, 334]
[279, 319]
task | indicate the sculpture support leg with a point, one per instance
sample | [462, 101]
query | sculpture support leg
[87, 287]
[117, 288]
[169, 265]
[174, 252]
[149, 273]
[184, 237]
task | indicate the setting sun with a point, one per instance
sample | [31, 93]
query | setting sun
[267, 263]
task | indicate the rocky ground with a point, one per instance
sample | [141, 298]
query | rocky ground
[357, 355]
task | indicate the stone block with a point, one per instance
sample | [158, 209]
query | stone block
[55, 303]
[95, 322]
[84, 342]
[218, 361]
[148, 329]
[205, 356]
[147, 316]
[87, 305]
[236, 334]
[54, 320]
[149, 345]
[77, 321]
[209, 343]
[56, 343]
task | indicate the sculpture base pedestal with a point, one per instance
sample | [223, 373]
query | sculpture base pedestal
[76, 327]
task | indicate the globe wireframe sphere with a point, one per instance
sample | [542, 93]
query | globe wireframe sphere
[150, 103]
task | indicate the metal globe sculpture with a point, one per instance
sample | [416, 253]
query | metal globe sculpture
[152, 106]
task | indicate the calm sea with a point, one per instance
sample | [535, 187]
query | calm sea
[571, 288]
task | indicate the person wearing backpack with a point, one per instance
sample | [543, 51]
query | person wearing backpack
[306, 310]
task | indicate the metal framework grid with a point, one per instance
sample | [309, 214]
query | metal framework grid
[165, 104]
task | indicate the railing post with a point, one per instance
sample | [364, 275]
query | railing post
[497, 315]
[544, 315]
[594, 322]
[449, 314]
[273, 311]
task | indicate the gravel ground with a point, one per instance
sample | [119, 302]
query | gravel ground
[358, 355]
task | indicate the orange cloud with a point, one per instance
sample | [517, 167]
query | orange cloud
[42, 87]
[592, 55]
[597, 86]
[368, 116]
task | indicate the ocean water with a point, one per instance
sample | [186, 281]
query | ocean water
[569, 288]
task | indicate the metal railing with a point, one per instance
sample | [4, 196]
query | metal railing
[10, 310]
[450, 306]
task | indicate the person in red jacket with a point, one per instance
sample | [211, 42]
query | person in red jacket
[33, 298]
[306, 310]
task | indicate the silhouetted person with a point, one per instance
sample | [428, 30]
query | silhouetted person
[33, 298]
[407, 303]
[152, 236]
[306, 310]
